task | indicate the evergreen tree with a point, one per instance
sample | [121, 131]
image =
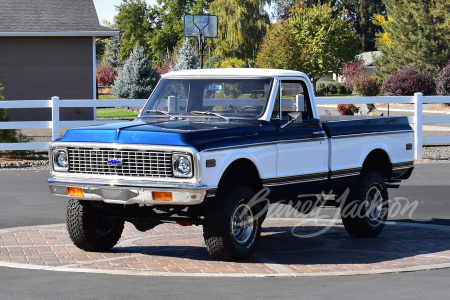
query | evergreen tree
[137, 79]
[112, 53]
[417, 33]
[187, 58]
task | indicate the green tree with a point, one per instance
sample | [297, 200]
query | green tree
[112, 52]
[10, 135]
[242, 26]
[417, 33]
[279, 50]
[326, 41]
[187, 58]
[133, 22]
[100, 47]
[359, 12]
[137, 79]
[168, 19]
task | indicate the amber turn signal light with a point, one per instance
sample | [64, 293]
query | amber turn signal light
[74, 191]
[162, 196]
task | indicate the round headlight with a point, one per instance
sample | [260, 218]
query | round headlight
[182, 166]
[61, 159]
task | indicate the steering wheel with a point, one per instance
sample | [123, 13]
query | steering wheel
[247, 107]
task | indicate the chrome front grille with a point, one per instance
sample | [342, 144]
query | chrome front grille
[124, 162]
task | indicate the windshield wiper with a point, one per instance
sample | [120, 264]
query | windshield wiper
[161, 112]
[209, 113]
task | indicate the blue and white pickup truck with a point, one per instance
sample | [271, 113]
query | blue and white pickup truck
[209, 143]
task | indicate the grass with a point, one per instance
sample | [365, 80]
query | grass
[107, 97]
[337, 95]
[116, 114]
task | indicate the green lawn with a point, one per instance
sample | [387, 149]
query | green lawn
[116, 114]
[107, 97]
[351, 95]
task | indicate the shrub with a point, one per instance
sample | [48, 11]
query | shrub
[443, 81]
[332, 89]
[367, 85]
[10, 135]
[106, 75]
[213, 61]
[137, 79]
[351, 71]
[407, 81]
[232, 63]
[342, 90]
[321, 89]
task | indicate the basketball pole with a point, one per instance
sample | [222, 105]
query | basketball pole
[201, 46]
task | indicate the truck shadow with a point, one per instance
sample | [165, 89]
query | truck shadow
[321, 245]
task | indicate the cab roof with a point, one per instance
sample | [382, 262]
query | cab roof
[234, 72]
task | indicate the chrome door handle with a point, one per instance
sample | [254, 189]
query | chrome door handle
[318, 132]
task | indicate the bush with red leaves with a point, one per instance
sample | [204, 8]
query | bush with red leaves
[443, 81]
[347, 109]
[351, 71]
[407, 81]
[106, 76]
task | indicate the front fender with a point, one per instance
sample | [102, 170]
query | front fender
[263, 157]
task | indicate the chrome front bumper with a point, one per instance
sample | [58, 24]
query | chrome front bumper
[128, 194]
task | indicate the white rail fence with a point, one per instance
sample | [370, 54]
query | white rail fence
[55, 103]
[416, 121]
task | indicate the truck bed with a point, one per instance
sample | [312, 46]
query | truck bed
[350, 125]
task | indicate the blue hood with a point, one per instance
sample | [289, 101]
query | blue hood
[198, 134]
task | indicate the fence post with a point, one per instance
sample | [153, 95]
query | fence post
[55, 117]
[418, 114]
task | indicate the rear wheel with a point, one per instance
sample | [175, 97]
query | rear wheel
[365, 211]
[89, 230]
[232, 227]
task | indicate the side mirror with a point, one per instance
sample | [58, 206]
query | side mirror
[294, 117]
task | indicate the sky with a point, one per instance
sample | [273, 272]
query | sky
[106, 10]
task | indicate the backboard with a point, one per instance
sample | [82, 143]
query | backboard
[193, 24]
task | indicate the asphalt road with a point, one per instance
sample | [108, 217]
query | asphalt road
[25, 200]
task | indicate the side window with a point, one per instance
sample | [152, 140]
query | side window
[295, 97]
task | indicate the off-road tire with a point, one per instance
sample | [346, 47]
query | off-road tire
[88, 230]
[356, 212]
[220, 239]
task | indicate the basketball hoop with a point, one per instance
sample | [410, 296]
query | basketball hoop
[200, 26]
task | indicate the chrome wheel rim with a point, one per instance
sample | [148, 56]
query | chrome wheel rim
[374, 206]
[242, 224]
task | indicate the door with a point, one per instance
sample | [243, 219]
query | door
[302, 148]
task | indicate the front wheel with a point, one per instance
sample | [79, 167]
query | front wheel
[232, 225]
[89, 230]
[365, 211]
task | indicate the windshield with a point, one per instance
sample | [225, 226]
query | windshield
[229, 98]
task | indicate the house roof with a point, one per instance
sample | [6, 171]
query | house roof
[367, 57]
[50, 18]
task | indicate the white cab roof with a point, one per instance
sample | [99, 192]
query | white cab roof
[233, 72]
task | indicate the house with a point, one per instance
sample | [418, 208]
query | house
[366, 57]
[47, 48]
